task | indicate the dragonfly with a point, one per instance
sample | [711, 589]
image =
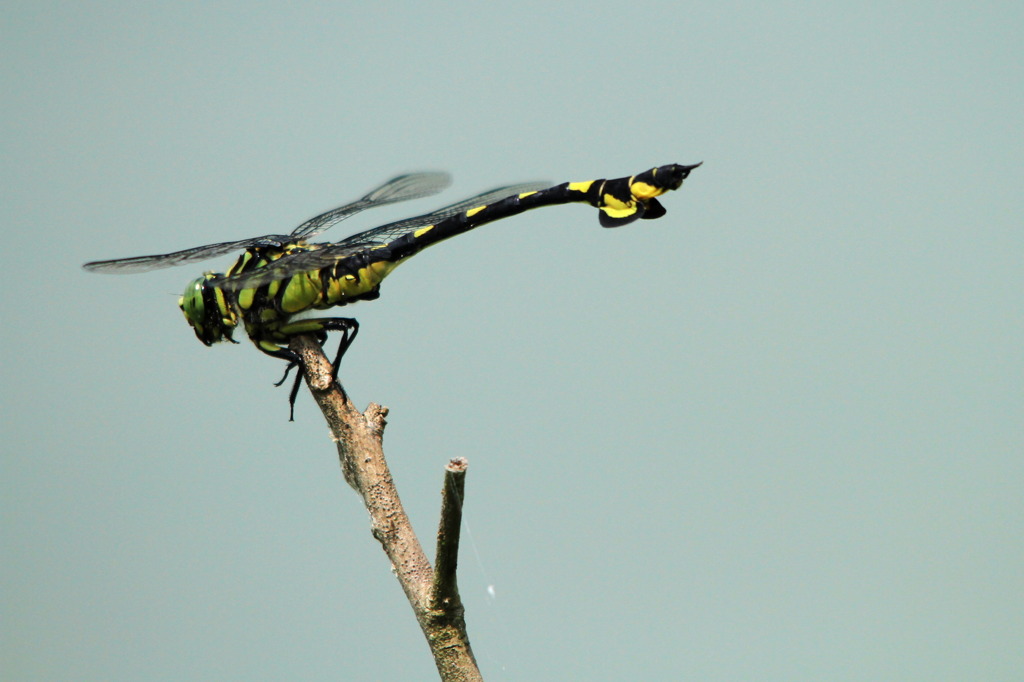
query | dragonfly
[277, 278]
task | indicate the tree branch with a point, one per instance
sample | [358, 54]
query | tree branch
[433, 595]
[445, 589]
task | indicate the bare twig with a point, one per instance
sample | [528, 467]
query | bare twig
[433, 595]
[445, 589]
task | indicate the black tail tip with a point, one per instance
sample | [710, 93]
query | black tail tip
[685, 170]
[673, 175]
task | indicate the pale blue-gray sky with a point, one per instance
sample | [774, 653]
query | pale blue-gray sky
[775, 435]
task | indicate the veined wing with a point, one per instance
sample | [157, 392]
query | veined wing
[327, 255]
[378, 236]
[401, 188]
[193, 255]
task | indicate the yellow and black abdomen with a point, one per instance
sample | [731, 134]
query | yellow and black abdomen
[356, 278]
[620, 201]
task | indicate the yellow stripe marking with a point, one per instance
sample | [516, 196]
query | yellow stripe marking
[619, 212]
[613, 202]
[642, 190]
[245, 298]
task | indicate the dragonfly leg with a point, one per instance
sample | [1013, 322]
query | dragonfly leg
[294, 362]
[287, 370]
[318, 327]
[321, 336]
[294, 393]
[348, 328]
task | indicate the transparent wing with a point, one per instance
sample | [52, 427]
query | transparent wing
[401, 188]
[328, 254]
[387, 233]
[193, 255]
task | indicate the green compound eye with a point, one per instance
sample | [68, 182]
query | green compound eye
[206, 310]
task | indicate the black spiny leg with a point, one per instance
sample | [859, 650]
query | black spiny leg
[287, 370]
[321, 336]
[348, 328]
[294, 361]
[295, 386]
[294, 393]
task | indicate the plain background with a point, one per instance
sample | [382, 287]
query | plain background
[775, 435]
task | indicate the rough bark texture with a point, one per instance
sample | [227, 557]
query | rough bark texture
[433, 595]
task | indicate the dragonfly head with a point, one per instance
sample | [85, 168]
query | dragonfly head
[208, 311]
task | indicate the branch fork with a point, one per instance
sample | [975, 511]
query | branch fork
[432, 592]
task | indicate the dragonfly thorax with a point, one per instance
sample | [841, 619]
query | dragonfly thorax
[208, 311]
